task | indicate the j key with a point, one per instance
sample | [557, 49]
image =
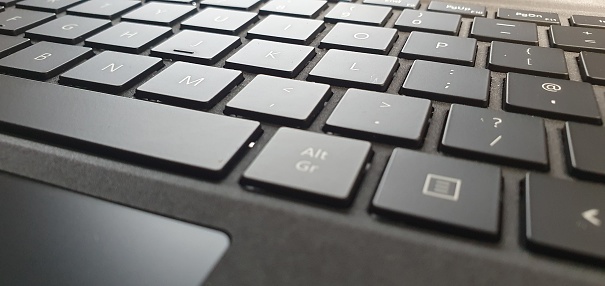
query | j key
[455, 8]
[432, 22]
[592, 67]
[67, 29]
[502, 30]
[450, 83]
[279, 100]
[44, 60]
[360, 38]
[576, 39]
[352, 69]
[308, 9]
[220, 21]
[410, 4]
[583, 147]
[190, 86]
[54, 6]
[540, 18]
[196, 47]
[111, 71]
[496, 136]
[9, 45]
[183, 140]
[564, 217]
[445, 193]
[260, 56]
[386, 117]
[505, 57]
[237, 4]
[304, 164]
[449, 49]
[128, 37]
[106, 9]
[554, 98]
[358, 14]
[587, 21]
[16, 21]
[287, 29]
[165, 14]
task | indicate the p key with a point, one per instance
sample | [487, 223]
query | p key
[448, 49]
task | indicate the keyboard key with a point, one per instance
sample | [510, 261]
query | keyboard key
[496, 136]
[7, 3]
[540, 18]
[576, 39]
[440, 48]
[455, 8]
[358, 14]
[432, 22]
[128, 37]
[9, 45]
[508, 31]
[444, 193]
[106, 9]
[591, 67]
[194, 142]
[220, 21]
[165, 14]
[190, 86]
[237, 4]
[278, 100]
[553, 98]
[16, 21]
[505, 57]
[583, 147]
[411, 4]
[388, 118]
[44, 60]
[279, 59]
[304, 164]
[352, 69]
[360, 38]
[587, 21]
[67, 29]
[564, 217]
[308, 9]
[449, 83]
[286, 29]
[196, 47]
[111, 72]
[54, 6]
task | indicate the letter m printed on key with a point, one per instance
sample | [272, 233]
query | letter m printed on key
[187, 81]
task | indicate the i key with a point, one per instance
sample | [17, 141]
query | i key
[502, 30]
[286, 29]
[358, 14]
[576, 39]
[307, 9]
[237, 4]
[506, 57]
[432, 22]
[449, 49]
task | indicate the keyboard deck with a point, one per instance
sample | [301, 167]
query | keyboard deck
[489, 170]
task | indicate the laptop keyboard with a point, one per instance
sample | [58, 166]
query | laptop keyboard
[460, 97]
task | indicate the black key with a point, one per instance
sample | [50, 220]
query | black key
[410, 4]
[496, 136]
[237, 4]
[220, 21]
[304, 164]
[44, 60]
[455, 8]
[450, 83]
[388, 118]
[502, 30]
[16, 21]
[553, 98]
[358, 14]
[505, 57]
[449, 49]
[183, 140]
[576, 39]
[9, 45]
[128, 37]
[106, 9]
[8, 2]
[352, 69]
[190, 86]
[282, 101]
[111, 71]
[67, 29]
[160, 13]
[564, 218]
[583, 147]
[54, 6]
[540, 18]
[432, 22]
[592, 67]
[445, 193]
[286, 29]
[587, 21]
[360, 38]
[308, 9]
[260, 56]
[196, 47]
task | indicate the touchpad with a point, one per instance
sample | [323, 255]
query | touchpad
[49, 236]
